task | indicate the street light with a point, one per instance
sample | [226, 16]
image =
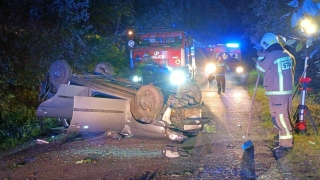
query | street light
[308, 28]
[130, 44]
[130, 32]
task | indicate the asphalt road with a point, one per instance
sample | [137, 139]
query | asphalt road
[214, 155]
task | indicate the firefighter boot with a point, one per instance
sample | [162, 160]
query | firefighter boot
[280, 152]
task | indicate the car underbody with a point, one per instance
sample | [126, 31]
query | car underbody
[102, 102]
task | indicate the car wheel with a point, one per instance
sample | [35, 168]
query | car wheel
[147, 104]
[104, 68]
[192, 90]
[60, 72]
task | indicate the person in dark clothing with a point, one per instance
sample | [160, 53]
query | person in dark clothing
[148, 69]
[222, 67]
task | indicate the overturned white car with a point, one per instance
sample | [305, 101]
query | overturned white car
[101, 102]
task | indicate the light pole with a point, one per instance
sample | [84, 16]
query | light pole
[131, 44]
[308, 28]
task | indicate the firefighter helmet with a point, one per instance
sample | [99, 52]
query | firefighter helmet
[267, 40]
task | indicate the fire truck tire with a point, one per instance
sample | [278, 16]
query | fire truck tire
[60, 72]
[147, 103]
[192, 90]
[104, 68]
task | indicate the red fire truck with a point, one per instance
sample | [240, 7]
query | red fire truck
[158, 55]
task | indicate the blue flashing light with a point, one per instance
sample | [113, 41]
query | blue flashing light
[232, 45]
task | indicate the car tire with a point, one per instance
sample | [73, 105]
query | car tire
[60, 73]
[147, 104]
[192, 90]
[104, 68]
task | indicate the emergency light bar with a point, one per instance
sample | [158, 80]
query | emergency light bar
[232, 45]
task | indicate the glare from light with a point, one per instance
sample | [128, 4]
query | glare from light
[169, 68]
[239, 69]
[308, 27]
[232, 45]
[85, 127]
[136, 79]
[211, 94]
[130, 32]
[305, 23]
[237, 95]
[210, 68]
[177, 77]
[192, 67]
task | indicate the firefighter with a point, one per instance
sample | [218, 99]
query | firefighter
[276, 65]
[146, 59]
[147, 68]
[222, 67]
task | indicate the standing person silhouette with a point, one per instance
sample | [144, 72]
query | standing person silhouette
[222, 67]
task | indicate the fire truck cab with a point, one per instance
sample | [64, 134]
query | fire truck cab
[231, 54]
[159, 55]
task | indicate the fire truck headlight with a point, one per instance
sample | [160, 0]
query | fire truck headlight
[177, 77]
[239, 69]
[210, 68]
[136, 78]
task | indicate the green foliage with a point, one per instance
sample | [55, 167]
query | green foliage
[299, 47]
[17, 124]
[102, 49]
[41, 33]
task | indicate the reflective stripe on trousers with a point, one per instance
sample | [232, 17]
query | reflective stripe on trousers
[287, 135]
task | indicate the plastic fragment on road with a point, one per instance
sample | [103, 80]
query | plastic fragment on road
[80, 162]
[83, 161]
[40, 141]
[171, 151]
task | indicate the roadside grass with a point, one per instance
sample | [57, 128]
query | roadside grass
[304, 159]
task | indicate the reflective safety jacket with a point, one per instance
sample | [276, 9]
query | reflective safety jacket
[277, 68]
[222, 67]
